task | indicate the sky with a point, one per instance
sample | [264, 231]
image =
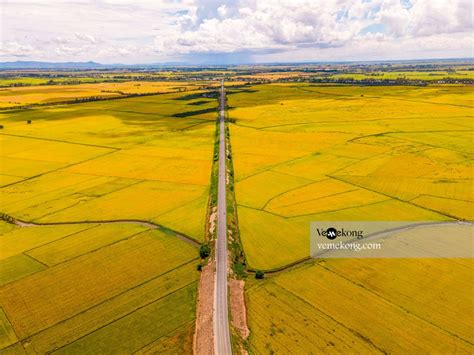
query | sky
[234, 31]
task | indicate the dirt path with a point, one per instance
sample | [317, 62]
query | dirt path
[203, 343]
[238, 310]
[151, 225]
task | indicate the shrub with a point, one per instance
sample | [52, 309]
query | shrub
[259, 274]
[204, 251]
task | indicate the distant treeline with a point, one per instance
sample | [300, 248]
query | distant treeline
[367, 81]
[78, 100]
[115, 79]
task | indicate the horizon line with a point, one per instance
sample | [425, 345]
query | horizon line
[178, 63]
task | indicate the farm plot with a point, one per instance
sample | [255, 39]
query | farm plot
[350, 305]
[146, 158]
[66, 285]
[91, 277]
[305, 153]
[20, 96]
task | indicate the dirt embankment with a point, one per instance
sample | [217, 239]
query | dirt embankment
[203, 337]
[238, 310]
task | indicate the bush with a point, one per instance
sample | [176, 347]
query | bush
[199, 267]
[29, 121]
[204, 251]
[259, 275]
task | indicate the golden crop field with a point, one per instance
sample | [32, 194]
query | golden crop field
[305, 153]
[44, 94]
[365, 306]
[146, 158]
[65, 285]
[91, 276]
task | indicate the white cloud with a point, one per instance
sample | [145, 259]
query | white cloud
[9, 48]
[150, 31]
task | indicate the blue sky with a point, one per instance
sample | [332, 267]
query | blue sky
[234, 31]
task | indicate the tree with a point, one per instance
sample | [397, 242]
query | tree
[204, 251]
[259, 274]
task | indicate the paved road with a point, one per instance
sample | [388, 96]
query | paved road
[221, 310]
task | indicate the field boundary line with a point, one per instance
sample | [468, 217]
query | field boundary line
[264, 128]
[432, 145]
[54, 170]
[38, 261]
[445, 198]
[427, 102]
[353, 331]
[316, 213]
[25, 253]
[270, 167]
[77, 203]
[293, 264]
[189, 323]
[66, 236]
[111, 298]
[60, 141]
[393, 303]
[397, 198]
[388, 133]
[150, 224]
[206, 193]
[123, 177]
[319, 198]
[129, 313]
[14, 331]
[94, 177]
[90, 251]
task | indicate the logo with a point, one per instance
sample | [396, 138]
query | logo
[332, 233]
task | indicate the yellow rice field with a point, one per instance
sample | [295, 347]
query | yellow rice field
[141, 158]
[365, 306]
[46, 94]
[62, 283]
[90, 277]
[305, 153]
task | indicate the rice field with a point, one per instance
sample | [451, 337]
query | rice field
[64, 283]
[109, 184]
[146, 158]
[89, 279]
[305, 153]
[364, 306]
[10, 97]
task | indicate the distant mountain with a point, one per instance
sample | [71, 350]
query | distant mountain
[51, 65]
[81, 65]
[203, 64]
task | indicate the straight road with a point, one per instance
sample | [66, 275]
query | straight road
[221, 310]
